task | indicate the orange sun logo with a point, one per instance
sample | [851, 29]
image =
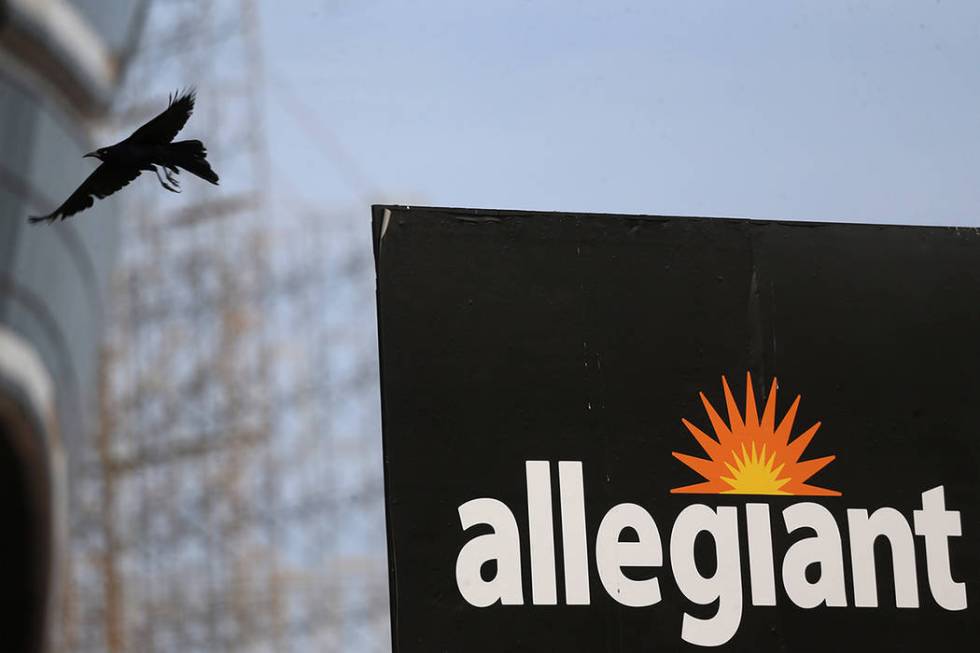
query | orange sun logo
[751, 456]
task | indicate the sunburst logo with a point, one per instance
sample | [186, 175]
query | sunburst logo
[753, 456]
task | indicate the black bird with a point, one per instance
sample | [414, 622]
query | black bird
[146, 148]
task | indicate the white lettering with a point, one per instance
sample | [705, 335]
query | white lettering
[823, 549]
[541, 527]
[890, 524]
[936, 525]
[575, 549]
[502, 546]
[726, 584]
[611, 555]
[761, 566]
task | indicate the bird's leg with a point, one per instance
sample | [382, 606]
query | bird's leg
[156, 171]
[175, 188]
[171, 173]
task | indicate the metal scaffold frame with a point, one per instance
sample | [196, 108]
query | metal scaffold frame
[231, 497]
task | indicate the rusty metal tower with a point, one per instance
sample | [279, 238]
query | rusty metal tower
[230, 500]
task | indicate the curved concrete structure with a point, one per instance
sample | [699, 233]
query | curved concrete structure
[60, 63]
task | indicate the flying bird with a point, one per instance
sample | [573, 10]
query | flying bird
[148, 149]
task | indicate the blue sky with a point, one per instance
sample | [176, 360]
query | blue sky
[829, 110]
[855, 111]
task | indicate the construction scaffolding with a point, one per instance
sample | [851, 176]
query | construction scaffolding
[231, 498]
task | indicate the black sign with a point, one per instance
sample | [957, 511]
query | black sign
[620, 433]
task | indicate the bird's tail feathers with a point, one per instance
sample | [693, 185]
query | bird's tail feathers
[193, 148]
[192, 157]
[35, 219]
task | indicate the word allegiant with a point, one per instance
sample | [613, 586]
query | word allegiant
[645, 549]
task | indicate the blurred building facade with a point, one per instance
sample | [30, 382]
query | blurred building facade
[61, 62]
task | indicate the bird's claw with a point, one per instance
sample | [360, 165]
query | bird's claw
[171, 175]
[172, 183]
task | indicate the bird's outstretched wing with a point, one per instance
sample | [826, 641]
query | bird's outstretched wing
[162, 129]
[104, 181]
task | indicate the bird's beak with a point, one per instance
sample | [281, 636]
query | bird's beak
[94, 155]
